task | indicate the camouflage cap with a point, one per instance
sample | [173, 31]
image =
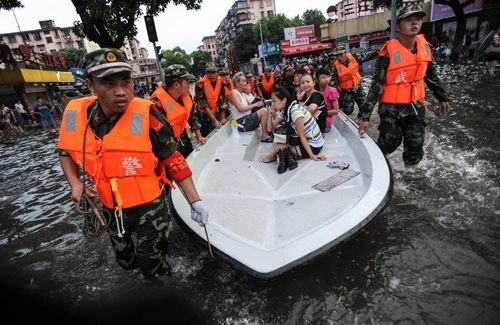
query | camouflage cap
[287, 68]
[224, 71]
[267, 70]
[409, 9]
[211, 67]
[249, 74]
[106, 62]
[177, 71]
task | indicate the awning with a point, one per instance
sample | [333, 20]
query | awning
[305, 48]
[20, 76]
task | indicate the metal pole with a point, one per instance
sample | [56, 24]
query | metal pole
[158, 64]
[394, 5]
[262, 43]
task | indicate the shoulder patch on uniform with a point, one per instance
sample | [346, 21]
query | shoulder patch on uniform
[155, 124]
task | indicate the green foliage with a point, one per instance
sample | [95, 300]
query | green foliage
[200, 59]
[314, 17]
[74, 57]
[176, 56]
[108, 22]
[10, 4]
[245, 45]
[272, 28]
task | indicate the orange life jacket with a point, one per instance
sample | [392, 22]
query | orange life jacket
[228, 90]
[211, 94]
[349, 76]
[267, 85]
[121, 164]
[252, 85]
[177, 114]
[406, 71]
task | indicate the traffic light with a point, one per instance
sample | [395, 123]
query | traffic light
[150, 27]
[160, 55]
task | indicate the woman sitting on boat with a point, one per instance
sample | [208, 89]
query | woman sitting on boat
[313, 100]
[242, 111]
[304, 139]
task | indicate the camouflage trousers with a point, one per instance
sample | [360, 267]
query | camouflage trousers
[185, 145]
[402, 123]
[144, 244]
[348, 97]
[206, 123]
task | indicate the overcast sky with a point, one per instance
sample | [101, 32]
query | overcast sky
[175, 27]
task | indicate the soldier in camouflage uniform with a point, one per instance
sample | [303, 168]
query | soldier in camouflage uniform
[213, 112]
[286, 80]
[139, 230]
[175, 88]
[400, 90]
[349, 94]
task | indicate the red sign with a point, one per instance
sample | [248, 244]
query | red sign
[304, 31]
[305, 48]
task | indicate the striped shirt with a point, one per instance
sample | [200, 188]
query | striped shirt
[311, 128]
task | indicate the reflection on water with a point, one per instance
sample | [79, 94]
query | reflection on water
[431, 257]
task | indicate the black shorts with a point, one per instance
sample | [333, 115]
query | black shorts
[248, 122]
[314, 150]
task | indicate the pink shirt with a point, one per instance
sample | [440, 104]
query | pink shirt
[330, 94]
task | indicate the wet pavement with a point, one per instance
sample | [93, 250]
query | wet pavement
[431, 257]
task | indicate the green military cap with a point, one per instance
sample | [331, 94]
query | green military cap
[211, 67]
[288, 67]
[410, 8]
[224, 71]
[249, 74]
[177, 71]
[106, 62]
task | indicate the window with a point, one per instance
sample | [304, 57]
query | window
[269, 13]
[12, 39]
[37, 36]
[262, 14]
[56, 32]
[262, 3]
[49, 40]
[41, 48]
[53, 51]
[46, 32]
[66, 32]
[26, 37]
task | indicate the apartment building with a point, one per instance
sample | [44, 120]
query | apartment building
[210, 46]
[242, 15]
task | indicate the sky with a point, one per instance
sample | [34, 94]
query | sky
[175, 27]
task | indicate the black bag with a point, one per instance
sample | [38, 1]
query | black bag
[292, 138]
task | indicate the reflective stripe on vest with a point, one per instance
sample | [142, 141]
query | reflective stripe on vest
[349, 76]
[406, 71]
[267, 85]
[124, 155]
[211, 94]
[177, 114]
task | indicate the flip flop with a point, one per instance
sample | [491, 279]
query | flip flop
[269, 139]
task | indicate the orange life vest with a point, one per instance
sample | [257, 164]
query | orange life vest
[177, 114]
[228, 90]
[349, 76]
[404, 82]
[252, 85]
[121, 164]
[211, 94]
[267, 85]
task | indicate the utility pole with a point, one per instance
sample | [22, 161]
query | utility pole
[394, 4]
[262, 44]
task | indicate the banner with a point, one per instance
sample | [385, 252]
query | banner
[439, 12]
[292, 33]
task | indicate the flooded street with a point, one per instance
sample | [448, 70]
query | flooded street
[431, 257]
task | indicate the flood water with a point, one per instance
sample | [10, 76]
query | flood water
[431, 257]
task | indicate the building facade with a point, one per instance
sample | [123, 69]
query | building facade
[209, 46]
[242, 15]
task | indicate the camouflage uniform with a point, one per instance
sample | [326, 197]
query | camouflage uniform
[202, 104]
[146, 226]
[400, 121]
[287, 81]
[357, 94]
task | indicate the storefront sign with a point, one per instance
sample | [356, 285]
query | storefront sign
[439, 12]
[299, 32]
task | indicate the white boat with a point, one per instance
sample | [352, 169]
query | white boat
[266, 223]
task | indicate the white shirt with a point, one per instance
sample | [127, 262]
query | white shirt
[20, 108]
[234, 111]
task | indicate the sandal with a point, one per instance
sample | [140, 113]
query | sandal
[269, 139]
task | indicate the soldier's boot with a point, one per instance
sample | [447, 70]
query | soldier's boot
[282, 161]
[290, 161]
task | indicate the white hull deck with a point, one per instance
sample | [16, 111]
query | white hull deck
[267, 223]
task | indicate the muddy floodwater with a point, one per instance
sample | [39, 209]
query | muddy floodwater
[431, 257]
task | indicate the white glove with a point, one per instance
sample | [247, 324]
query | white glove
[199, 212]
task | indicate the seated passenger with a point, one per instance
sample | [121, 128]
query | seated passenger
[304, 137]
[242, 111]
[313, 100]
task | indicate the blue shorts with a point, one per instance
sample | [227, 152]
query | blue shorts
[48, 123]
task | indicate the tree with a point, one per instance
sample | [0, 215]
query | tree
[458, 10]
[108, 22]
[176, 56]
[272, 28]
[245, 45]
[200, 59]
[314, 17]
[10, 4]
[73, 57]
